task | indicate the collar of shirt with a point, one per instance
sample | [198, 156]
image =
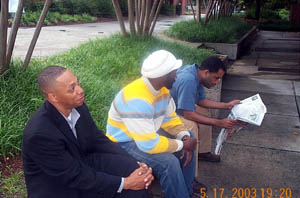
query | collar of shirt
[72, 120]
[149, 85]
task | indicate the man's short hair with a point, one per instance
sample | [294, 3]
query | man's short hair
[48, 76]
[212, 64]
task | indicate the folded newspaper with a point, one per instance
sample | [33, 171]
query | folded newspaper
[251, 110]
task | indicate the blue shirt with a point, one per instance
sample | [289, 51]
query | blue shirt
[186, 90]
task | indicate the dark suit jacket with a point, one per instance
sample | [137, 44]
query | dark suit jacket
[55, 162]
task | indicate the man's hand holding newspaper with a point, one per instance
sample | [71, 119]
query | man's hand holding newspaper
[251, 110]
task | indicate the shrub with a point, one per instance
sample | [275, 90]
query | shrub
[100, 8]
[66, 18]
[224, 30]
[87, 17]
[284, 14]
[269, 14]
[33, 6]
[31, 18]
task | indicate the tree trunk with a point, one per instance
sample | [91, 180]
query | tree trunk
[137, 13]
[146, 13]
[131, 16]
[194, 15]
[3, 35]
[147, 18]
[119, 16]
[198, 11]
[14, 31]
[143, 13]
[210, 10]
[154, 6]
[37, 32]
[155, 17]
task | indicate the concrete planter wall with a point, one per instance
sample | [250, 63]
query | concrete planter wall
[233, 51]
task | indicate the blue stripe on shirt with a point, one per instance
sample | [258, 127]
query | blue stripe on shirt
[147, 145]
[117, 133]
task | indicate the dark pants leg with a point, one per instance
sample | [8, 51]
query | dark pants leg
[118, 165]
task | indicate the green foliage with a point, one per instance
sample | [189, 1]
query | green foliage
[241, 14]
[224, 30]
[99, 8]
[31, 18]
[271, 15]
[66, 18]
[265, 14]
[33, 6]
[13, 186]
[277, 4]
[268, 4]
[284, 14]
[167, 9]
[103, 67]
[87, 17]
[18, 91]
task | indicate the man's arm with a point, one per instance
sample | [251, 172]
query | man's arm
[172, 123]
[217, 105]
[224, 123]
[51, 156]
[98, 142]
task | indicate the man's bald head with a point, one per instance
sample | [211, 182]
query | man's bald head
[48, 76]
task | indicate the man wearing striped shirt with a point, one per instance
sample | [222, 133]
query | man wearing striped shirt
[142, 119]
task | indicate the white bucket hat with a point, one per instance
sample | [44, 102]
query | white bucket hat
[160, 63]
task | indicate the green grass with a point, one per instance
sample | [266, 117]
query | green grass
[224, 30]
[103, 66]
[13, 186]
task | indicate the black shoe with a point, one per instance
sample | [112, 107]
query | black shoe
[209, 157]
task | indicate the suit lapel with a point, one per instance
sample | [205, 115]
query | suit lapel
[61, 122]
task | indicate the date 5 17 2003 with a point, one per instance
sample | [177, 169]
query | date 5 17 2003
[250, 193]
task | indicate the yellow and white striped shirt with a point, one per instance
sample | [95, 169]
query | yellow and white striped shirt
[138, 112]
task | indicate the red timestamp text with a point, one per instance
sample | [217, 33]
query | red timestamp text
[249, 193]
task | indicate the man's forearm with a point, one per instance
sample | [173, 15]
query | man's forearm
[200, 118]
[212, 104]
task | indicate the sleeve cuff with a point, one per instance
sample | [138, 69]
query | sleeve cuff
[121, 185]
[179, 145]
[181, 134]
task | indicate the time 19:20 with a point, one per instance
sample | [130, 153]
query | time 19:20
[254, 193]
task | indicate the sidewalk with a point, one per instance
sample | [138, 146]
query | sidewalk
[267, 156]
[57, 39]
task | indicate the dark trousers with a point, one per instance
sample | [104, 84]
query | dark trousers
[118, 165]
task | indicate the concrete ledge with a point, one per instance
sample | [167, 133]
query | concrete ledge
[232, 50]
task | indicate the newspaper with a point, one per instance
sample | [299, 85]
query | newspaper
[251, 110]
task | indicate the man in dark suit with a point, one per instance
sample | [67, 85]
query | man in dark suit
[65, 155]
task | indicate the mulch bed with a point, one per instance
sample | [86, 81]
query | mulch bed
[11, 164]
